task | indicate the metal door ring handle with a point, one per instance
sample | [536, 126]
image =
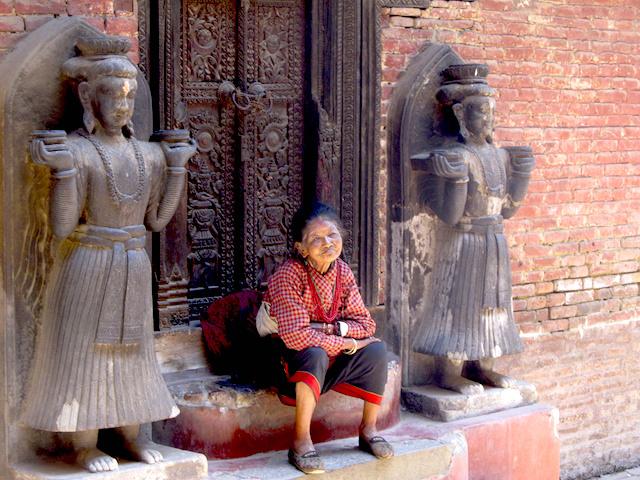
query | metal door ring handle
[253, 99]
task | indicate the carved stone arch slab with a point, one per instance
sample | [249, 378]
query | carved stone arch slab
[32, 97]
[413, 125]
[413, 121]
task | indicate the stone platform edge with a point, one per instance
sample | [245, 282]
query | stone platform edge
[177, 464]
[499, 446]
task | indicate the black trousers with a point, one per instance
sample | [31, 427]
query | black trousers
[362, 375]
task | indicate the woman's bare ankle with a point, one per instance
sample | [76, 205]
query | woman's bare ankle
[367, 431]
[302, 445]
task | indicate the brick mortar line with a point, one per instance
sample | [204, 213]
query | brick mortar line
[581, 328]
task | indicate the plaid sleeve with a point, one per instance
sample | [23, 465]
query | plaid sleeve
[354, 313]
[286, 288]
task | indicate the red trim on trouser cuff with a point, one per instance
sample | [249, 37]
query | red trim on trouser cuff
[309, 379]
[347, 389]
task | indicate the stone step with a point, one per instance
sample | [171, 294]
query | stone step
[417, 457]
[519, 443]
[225, 420]
[631, 474]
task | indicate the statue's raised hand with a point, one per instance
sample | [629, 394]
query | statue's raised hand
[49, 147]
[449, 164]
[177, 145]
[178, 154]
[521, 159]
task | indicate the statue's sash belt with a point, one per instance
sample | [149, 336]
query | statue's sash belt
[496, 269]
[122, 307]
[482, 225]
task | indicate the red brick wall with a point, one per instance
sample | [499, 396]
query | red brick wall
[568, 79]
[18, 17]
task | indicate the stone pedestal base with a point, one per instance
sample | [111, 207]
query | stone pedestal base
[445, 405]
[177, 464]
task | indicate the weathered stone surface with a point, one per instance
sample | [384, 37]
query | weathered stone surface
[417, 456]
[180, 350]
[226, 420]
[445, 405]
[177, 464]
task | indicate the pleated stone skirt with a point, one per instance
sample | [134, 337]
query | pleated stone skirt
[77, 384]
[468, 313]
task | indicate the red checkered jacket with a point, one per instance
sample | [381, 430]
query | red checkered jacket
[292, 306]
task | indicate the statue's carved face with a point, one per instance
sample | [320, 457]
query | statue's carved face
[113, 101]
[478, 115]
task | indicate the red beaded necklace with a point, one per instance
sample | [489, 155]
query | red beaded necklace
[317, 303]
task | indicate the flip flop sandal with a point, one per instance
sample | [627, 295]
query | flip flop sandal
[309, 462]
[376, 446]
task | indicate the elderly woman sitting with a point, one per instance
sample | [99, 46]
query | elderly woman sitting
[326, 334]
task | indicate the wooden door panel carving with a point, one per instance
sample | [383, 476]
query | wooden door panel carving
[273, 153]
[208, 49]
[246, 179]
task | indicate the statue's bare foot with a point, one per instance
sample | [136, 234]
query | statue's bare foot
[489, 377]
[142, 451]
[96, 460]
[459, 384]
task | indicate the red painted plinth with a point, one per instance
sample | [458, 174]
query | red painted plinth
[516, 444]
[512, 446]
[232, 424]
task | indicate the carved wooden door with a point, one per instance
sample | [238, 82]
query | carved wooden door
[246, 179]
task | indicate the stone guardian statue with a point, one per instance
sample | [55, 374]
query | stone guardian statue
[95, 365]
[468, 318]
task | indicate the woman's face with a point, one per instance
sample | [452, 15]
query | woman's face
[321, 243]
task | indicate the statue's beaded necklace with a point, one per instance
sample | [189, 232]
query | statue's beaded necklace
[116, 195]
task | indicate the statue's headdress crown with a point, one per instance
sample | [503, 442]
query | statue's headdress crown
[103, 45]
[464, 80]
[100, 56]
